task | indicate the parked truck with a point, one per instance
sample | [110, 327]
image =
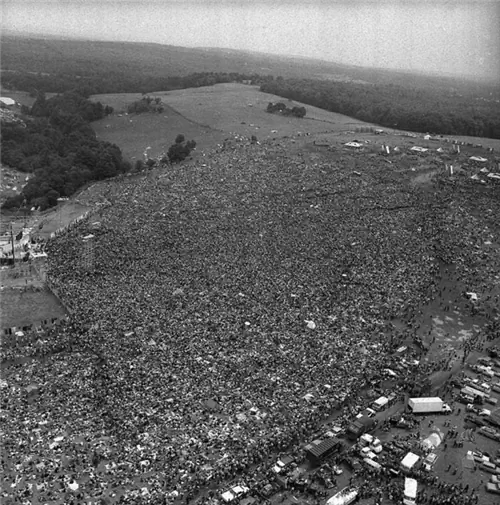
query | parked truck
[359, 426]
[430, 405]
[380, 404]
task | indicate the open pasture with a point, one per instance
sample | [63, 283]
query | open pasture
[208, 115]
[213, 113]
[133, 133]
[241, 109]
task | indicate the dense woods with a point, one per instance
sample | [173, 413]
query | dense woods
[58, 147]
[119, 81]
[406, 108]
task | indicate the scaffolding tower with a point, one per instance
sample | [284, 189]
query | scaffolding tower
[88, 253]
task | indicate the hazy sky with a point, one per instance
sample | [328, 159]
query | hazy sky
[447, 36]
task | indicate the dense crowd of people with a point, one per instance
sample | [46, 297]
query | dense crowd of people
[232, 305]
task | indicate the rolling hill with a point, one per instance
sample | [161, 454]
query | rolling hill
[208, 115]
[85, 61]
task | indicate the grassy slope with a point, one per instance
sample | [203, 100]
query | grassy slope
[209, 115]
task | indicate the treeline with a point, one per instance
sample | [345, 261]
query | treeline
[59, 148]
[435, 111]
[118, 82]
[74, 102]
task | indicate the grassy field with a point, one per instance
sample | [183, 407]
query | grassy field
[134, 133]
[19, 308]
[23, 97]
[209, 115]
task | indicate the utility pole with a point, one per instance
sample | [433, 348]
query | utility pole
[12, 241]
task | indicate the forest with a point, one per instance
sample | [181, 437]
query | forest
[56, 144]
[119, 81]
[402, 107]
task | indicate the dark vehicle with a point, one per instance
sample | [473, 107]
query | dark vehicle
[493, 421]
[465, 399]
[479, 421]
[353, 464]
[360, 426]
[457, 383]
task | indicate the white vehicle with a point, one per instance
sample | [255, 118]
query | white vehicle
[430, 405]
[483, 387]
[372, 464]
[380, 404]
[429, 461]
[366, 452]
[370, 412]
[376, 446]
[469, 390]
[485, 370]
[410, 492]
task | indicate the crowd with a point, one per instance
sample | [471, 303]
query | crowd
[233, 305]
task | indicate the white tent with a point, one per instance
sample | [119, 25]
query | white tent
[432, 441]
[7, 101]
[409, 461]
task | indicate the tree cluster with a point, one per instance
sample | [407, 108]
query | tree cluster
[146, 104]
[58, 146]
[180, 149]
[281, 108]
[436, 111]
[73, 102]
